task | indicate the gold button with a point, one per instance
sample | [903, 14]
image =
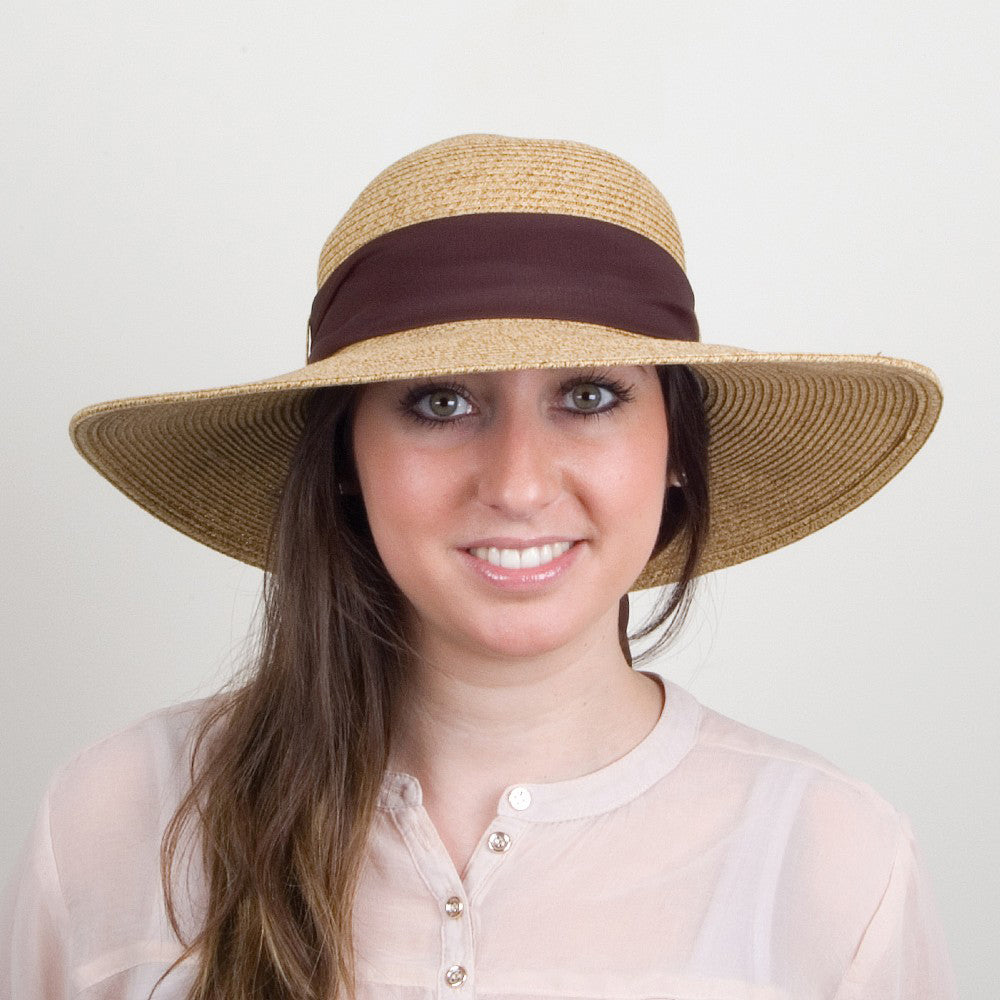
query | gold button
[454, 906]
[455, 976]
[499, 843]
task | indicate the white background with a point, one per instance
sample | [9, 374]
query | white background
[171, 170]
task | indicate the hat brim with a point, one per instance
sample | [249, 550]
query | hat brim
[797, 440]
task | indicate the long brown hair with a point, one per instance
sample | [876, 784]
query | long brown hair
[685, 509]
[286, 766]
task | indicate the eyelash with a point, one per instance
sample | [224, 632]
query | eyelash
[623, 392]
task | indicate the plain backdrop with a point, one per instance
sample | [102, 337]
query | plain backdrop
[171, 170]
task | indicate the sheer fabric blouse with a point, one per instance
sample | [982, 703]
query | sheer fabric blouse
[711, 862]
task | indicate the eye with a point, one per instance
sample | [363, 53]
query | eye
[438, 405]
[590, 397]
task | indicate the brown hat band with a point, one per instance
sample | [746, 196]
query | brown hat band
[503, 264]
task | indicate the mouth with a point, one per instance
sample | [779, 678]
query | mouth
[528, 558]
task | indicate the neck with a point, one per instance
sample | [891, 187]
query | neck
[478, 721]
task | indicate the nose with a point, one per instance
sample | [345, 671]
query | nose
[519, 471]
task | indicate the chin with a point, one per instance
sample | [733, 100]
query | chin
[523, 641]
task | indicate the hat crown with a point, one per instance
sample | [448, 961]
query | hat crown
[481, 172]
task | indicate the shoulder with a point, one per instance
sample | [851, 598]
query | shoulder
[109, 805]
[799, 797]
[817, 857]
[815, 847]
[778, 762]
[88, 892]
[136, 764]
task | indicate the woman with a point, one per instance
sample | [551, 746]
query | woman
[442, 775]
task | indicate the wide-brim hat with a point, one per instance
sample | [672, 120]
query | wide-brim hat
[493, 253]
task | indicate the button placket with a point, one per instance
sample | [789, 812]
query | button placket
[456, 971]
[456, 953]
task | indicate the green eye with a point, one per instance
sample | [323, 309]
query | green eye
[443, 402]
[438, 405]
[587, 396]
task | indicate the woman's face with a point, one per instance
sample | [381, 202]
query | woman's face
[513, 509]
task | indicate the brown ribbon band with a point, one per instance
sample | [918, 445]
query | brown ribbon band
[503, 264]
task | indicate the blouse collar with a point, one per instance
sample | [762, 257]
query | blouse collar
[614, 785]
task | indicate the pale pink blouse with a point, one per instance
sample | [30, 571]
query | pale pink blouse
[712, 862]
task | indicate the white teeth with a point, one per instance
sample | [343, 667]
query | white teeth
[509, 558]
[537, 555]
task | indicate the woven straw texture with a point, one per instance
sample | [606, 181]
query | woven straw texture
[493, 173]
[797, 440]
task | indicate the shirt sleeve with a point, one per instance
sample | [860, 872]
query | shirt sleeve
[902, 954]
[34, 924]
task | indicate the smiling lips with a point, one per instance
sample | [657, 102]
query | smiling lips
[529, 558]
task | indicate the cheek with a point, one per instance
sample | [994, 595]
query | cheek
[401, 486]
[382, 480]
[401, 492]
[640, 485]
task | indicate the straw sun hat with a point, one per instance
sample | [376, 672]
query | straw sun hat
[489, 253]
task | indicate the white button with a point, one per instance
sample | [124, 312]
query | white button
[455, 976]
[519, 798]
[454, 906]
[499, 843]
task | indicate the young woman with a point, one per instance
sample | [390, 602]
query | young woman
[442, 775]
